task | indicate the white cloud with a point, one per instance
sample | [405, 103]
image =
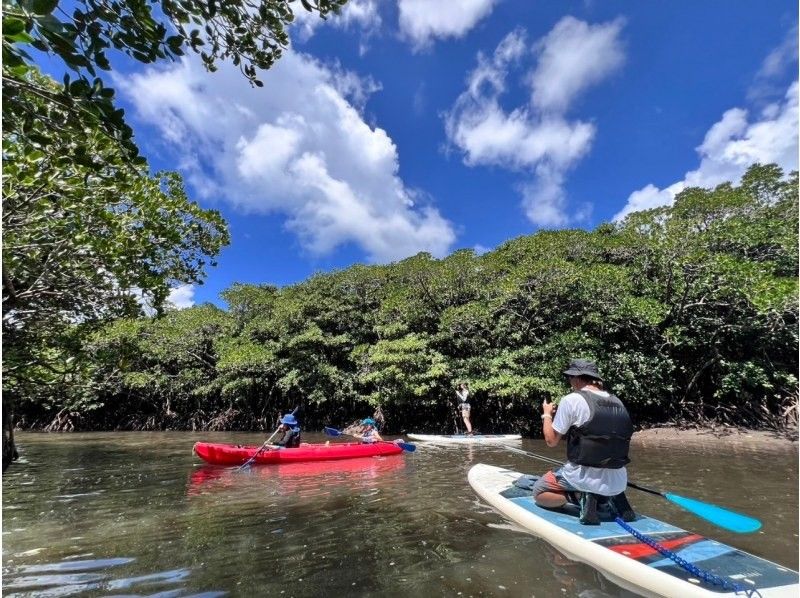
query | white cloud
[544, 199]
[781, 57]
[422, 21]
[361, 14]
[181, 296]
[517, 139]
[536, 137]
[730, 146]
[573, 56]
[299, 147]
[779, 65]
[649, 197]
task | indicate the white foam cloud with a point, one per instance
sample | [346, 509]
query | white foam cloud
[730, 146]
[299, 147]
[421, 21]
[536, 137]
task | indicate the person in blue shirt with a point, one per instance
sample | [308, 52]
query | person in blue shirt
[368, 433]
[291, 432]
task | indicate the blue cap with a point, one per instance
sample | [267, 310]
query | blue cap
[289, 419]
[368, 422]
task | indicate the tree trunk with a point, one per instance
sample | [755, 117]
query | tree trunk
[10, 453]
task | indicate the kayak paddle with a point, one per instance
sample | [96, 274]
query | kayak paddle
[403, 445]
[263, 446]
[258, 452]
[729, 520]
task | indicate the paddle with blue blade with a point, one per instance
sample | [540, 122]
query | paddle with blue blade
[403, 445]
[724, 518]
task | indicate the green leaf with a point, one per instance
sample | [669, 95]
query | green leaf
[79, 87]
[12, 26]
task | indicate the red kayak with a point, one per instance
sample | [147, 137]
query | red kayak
[231, 454]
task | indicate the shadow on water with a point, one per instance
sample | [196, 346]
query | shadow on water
[138, 514]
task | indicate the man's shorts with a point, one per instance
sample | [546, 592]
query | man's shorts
[552, 481]
[464, 407]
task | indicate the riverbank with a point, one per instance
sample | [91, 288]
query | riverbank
[670, 436]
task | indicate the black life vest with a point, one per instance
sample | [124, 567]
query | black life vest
[604, 440]
[293, 440]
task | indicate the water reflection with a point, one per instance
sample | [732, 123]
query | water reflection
[297, 478]
[580, 580]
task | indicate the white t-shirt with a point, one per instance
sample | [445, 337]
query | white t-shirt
[574, 411]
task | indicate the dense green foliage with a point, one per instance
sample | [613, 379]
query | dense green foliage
[85, 236]
[690, 311]
[83, 34]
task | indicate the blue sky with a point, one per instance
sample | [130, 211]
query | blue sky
[412, 125]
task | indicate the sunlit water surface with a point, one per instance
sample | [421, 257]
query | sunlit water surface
[136, 514]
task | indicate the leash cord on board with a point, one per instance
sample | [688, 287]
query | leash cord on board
[706, 576]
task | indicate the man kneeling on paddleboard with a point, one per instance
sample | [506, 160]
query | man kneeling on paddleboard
[598, 432]
[291, 432]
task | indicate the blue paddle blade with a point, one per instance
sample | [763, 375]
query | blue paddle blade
[735, 522]
[407, 446]
[332, 431]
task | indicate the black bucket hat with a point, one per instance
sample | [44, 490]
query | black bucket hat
[583, 367]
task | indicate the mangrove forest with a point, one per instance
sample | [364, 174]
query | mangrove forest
[690, 311]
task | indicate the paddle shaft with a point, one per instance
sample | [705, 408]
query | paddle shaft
[730, 520]
[340, 433]
[557, 462]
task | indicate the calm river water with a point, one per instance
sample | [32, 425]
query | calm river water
[136, 514]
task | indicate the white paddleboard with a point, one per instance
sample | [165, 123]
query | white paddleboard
[465, 438]
[627, 561]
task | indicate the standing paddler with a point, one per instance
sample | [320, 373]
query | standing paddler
[464, 407]
[598, 432]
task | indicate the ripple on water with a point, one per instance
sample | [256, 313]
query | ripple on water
[407, 525]
[72, 577]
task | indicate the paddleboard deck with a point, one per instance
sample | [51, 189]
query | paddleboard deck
[466, 439]
[627, 561]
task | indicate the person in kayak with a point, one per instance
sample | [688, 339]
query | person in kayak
[369, 433]
[464, 407]
[598, 431]
[291, 432]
